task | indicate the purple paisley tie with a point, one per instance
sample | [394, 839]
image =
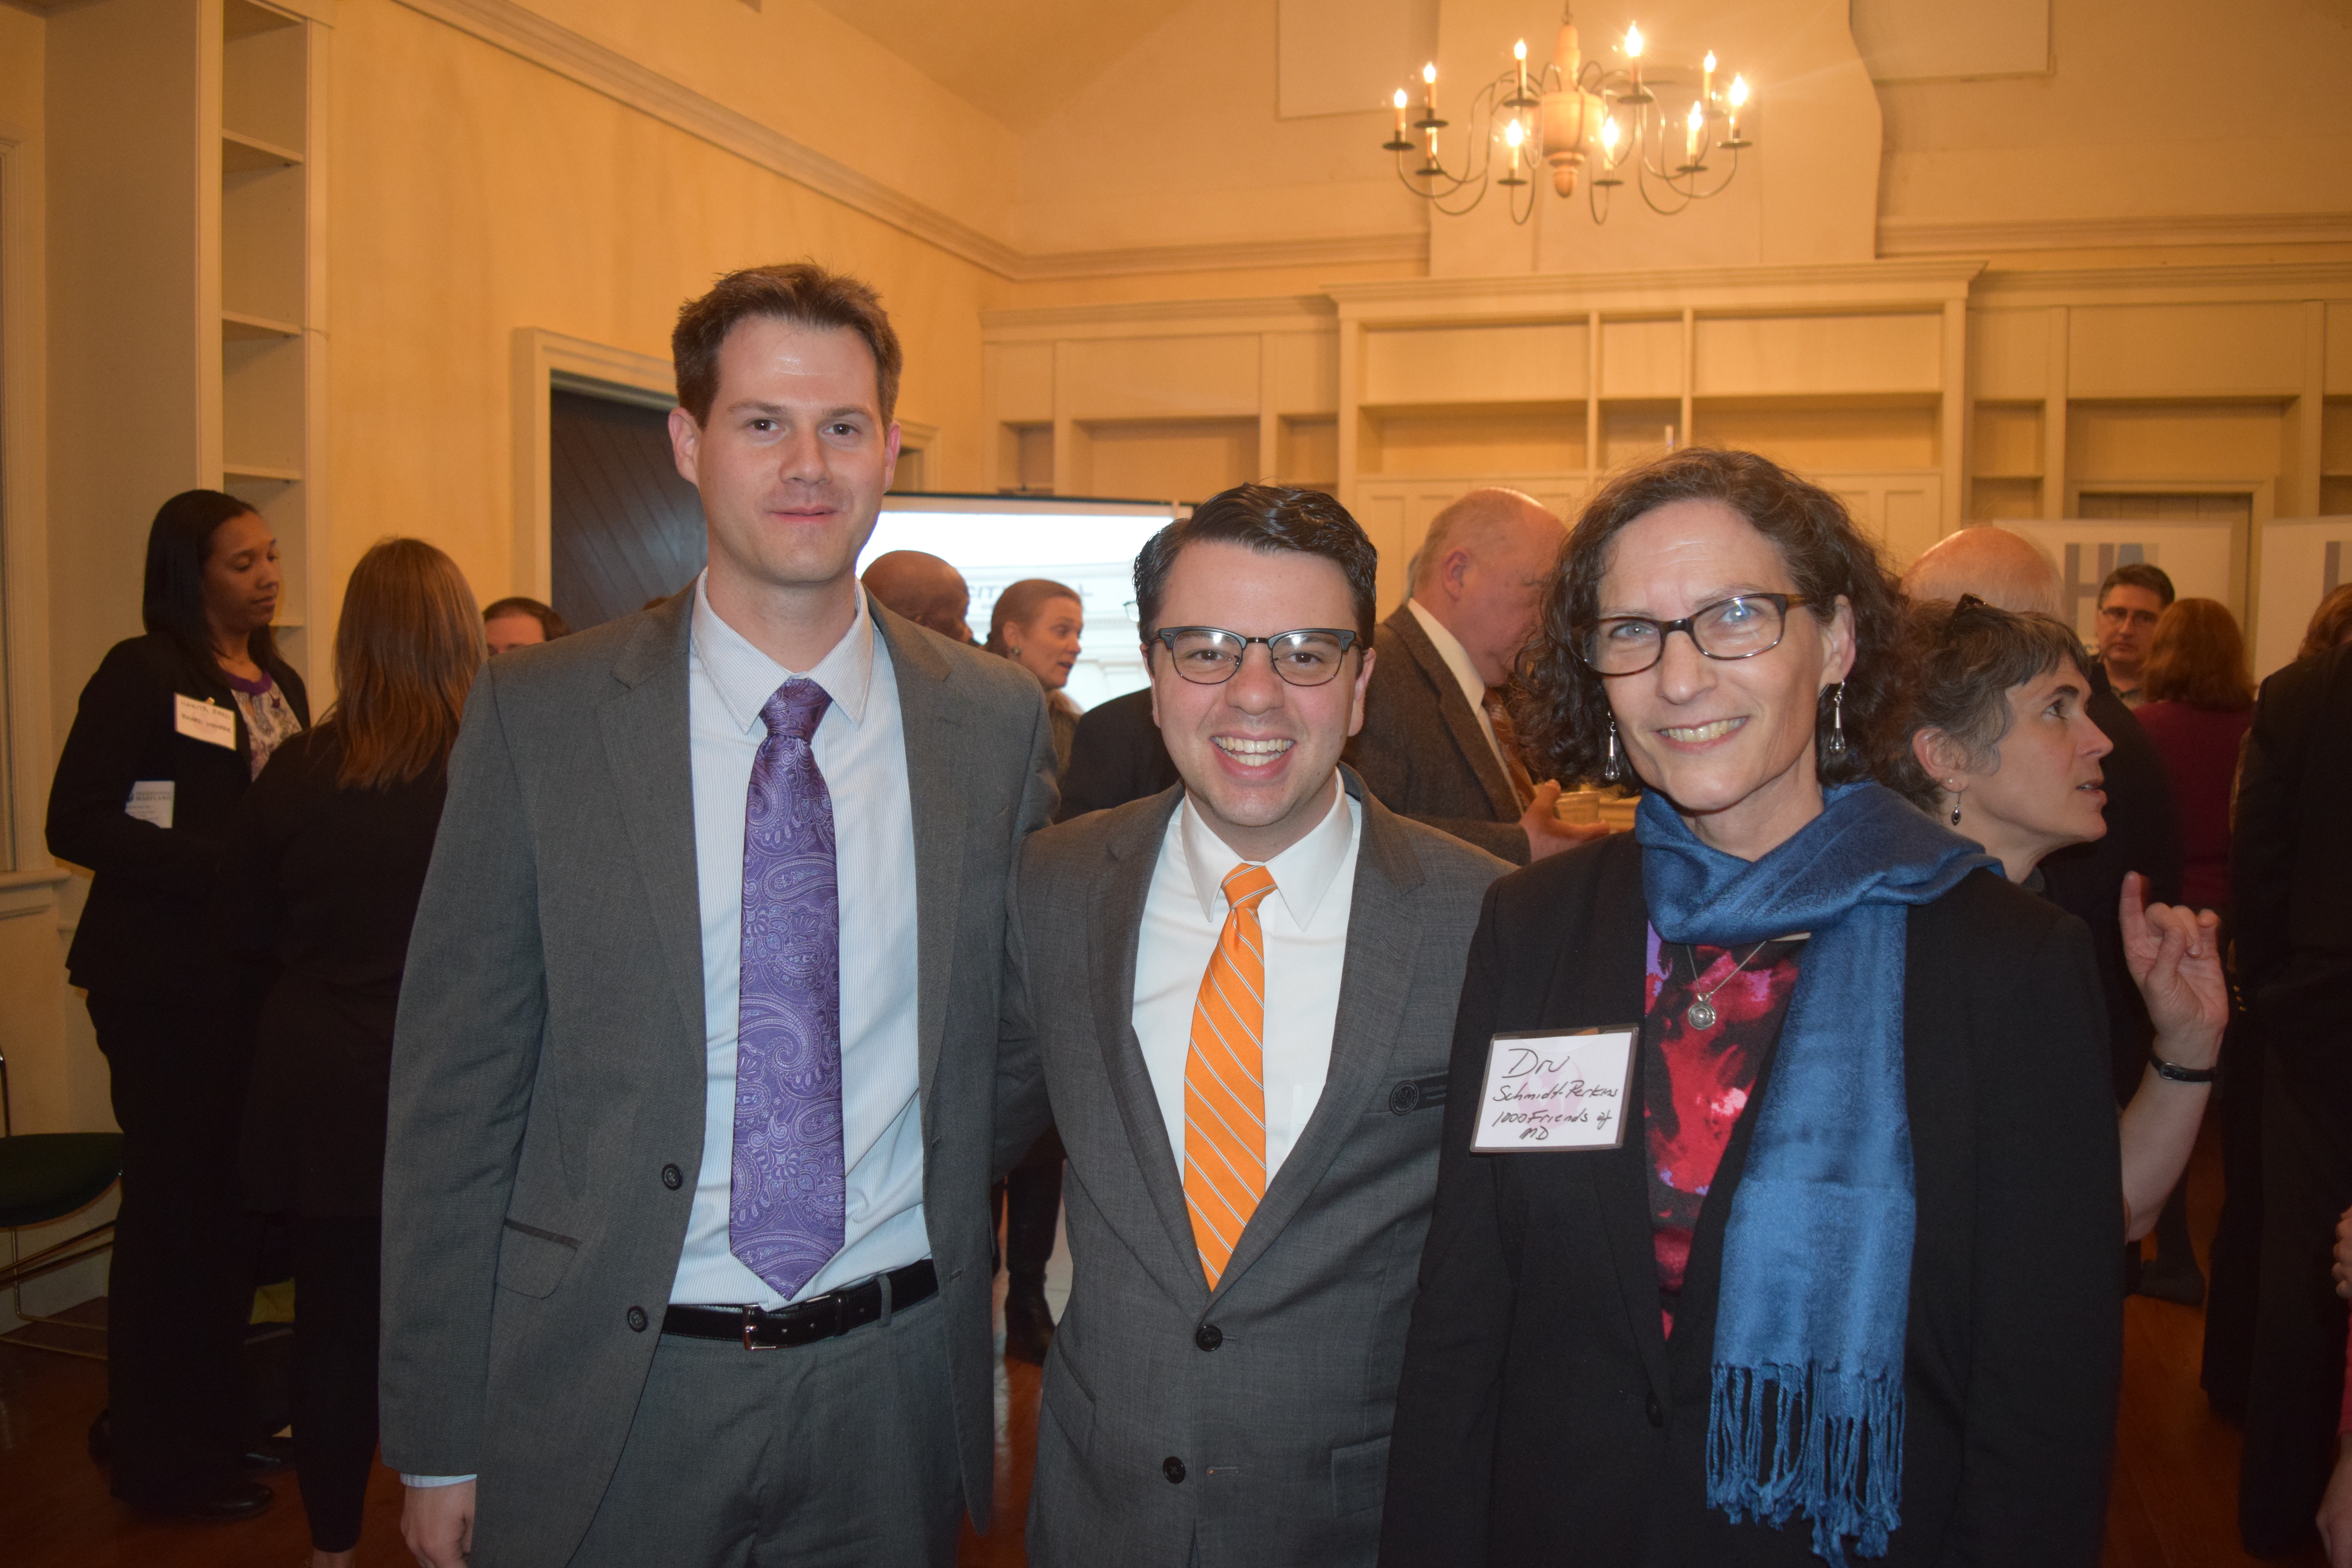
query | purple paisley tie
[784, 1208]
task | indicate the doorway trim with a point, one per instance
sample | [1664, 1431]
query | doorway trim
[546, 363]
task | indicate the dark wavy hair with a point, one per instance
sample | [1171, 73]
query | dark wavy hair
[1966, 660]
[178, 543]
[1562, 708]
[1266, 519]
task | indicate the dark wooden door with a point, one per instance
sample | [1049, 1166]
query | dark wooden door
[624, 527]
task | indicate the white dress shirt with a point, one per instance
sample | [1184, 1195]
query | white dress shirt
[1458, 659]
[1305, 923]
[861, 749]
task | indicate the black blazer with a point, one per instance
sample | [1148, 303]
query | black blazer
[1422, 748]
[2085, 880]
[1116, 756]
[320, 884]
[1544, 1418]
[2290, 862]
[145, 921]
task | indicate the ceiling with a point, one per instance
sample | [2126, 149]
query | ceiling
[1016, 61]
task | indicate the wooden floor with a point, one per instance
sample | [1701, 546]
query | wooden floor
[2173, 1504]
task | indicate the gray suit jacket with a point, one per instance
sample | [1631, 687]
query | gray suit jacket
[1267, 1403]
[548, 1071]
[1422, 748]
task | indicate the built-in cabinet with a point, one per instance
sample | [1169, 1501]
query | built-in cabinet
[1927, 394]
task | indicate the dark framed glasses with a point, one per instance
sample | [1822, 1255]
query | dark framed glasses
[1738, 627]
[1210, 656]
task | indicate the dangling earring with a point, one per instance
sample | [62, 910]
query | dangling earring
[1956, 802]
[1837, 720]
[1956, 814]
[1610, 769]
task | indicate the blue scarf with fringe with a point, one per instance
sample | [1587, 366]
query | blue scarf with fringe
[1806, 1412]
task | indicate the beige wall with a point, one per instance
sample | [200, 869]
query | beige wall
[474, 193]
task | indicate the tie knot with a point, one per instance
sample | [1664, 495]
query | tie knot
[794, 709]
[1245, 884]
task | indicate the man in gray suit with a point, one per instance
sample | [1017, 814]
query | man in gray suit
[1436, 743]
[686, 1238]
[1239, 995]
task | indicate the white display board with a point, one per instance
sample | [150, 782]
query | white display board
[2195, 554]
[2305, 559]
[997, 541]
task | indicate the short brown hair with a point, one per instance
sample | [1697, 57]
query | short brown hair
[550, 624]
[799, 292]
[1020, 604]
[1563, 709]
[406, 651]
[1267, 519]
[2330, 623]
[1967, 658]
[2198, 658]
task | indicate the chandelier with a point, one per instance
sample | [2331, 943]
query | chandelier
[1573, 111]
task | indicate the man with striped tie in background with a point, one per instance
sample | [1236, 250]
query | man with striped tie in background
[1239, 995]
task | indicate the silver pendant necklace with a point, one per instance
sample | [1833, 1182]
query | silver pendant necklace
[1700, 1015]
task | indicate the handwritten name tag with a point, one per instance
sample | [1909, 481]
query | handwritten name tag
[206, 721]
[150, 801]
[1546, 1091]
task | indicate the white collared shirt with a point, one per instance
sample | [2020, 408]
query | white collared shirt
[1458, 659]
[1305, 924]
[861, 750]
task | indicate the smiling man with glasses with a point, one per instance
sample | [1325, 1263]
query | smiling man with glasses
[1240, 992]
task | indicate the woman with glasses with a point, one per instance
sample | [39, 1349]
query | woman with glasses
[1847, 1283]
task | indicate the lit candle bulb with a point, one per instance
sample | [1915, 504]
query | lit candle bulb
[1513, 132]
[1737, 98]
[1697, 119]
[1399, 108]
[1609, 138]
[1633, 53]
[1429, 90]
[1520, 53]
[1706, 79]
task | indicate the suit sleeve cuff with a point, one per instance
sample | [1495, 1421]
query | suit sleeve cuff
[408, 1480]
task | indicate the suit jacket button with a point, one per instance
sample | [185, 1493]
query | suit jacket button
[638, 1319]
[1174, 1468]
[1404, 1099]
[672, 1177]
[1207, 1336]
[1656, 1412]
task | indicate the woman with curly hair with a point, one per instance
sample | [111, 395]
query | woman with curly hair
[1849, 1282]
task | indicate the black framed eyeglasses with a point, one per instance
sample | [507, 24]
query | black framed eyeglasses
[1738, 627]
[1210, 656]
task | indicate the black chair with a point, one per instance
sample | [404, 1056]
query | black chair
[44, 1177]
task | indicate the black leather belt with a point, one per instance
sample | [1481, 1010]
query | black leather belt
[806, 1322]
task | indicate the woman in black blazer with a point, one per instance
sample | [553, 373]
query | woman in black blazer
[1848, 1287]
[322, 882]
[169, 735]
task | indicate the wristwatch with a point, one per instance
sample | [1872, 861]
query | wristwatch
[2179, 1074]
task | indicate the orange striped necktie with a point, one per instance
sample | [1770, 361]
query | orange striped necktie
[1224, 1078]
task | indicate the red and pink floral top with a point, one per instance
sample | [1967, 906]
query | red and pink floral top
[1696, 1082]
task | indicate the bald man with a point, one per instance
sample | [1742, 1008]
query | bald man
[923, 588]
[1430, 748]
[2012, 571]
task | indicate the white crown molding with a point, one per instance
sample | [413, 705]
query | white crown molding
[1929, 237]
[1328, 250]
[1834, 284]
[1281, 312]
[2166, 285]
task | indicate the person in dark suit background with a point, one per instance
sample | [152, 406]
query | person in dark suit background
[171, 732]
[320, 884]
[2009, 571]
[1436, 743]
[1868, 1188]
[1116, 756]
[2291, 860]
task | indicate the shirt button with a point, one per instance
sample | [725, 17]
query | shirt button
[1174, 1468]
[1656, 1412]
[672, 1177]
[638, 1319]
[1207, 1336]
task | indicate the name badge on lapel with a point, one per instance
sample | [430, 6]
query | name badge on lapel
[206, 721]
[1548, 1090]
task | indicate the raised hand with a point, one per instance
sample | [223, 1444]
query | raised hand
[2175, 957]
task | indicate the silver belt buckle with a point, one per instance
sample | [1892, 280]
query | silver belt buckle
[747, 1311]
